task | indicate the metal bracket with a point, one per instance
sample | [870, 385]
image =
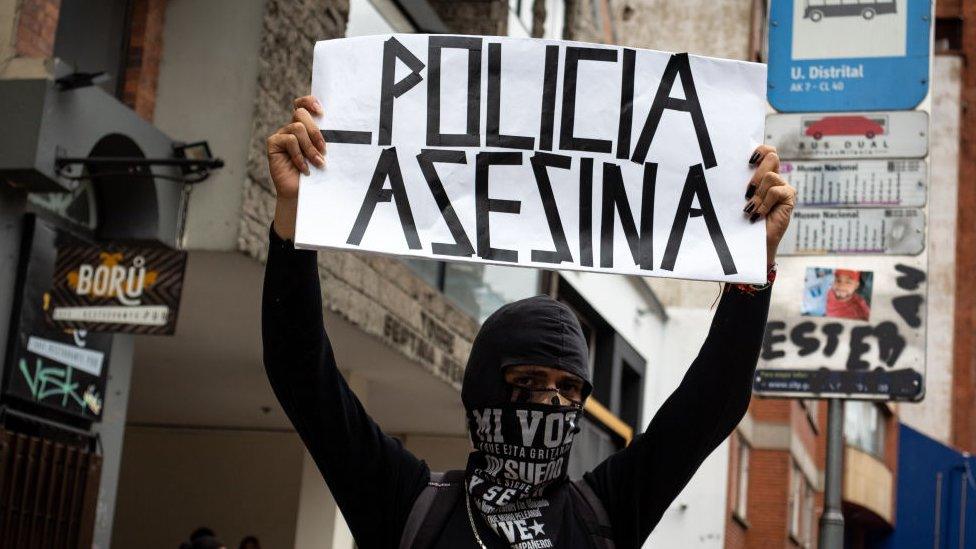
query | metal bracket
[193, 170]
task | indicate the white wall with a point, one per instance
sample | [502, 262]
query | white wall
[697, 516]
[618, 300]
[933, 416]
[208, 78]
[319, 524]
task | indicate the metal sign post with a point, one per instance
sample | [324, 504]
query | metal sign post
[848, 320]
[832, 520]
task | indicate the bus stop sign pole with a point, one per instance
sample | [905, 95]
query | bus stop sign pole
[832, 519]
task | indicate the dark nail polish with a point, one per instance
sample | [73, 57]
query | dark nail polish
[750, 191]
[749, 207]
[754, 217]
[754, 157]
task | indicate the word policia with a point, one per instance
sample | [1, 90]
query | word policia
[695, 200]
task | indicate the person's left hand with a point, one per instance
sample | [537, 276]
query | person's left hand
[769, 196]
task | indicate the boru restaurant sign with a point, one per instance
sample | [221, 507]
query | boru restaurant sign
[117, 289]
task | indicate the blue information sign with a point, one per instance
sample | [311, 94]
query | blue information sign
[848, 55]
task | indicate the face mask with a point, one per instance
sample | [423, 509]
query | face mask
[521, 450]
[516, 477]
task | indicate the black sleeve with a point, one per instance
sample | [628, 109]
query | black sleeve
[373, 479]
[638, 483]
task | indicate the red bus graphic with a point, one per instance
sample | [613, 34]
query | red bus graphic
[844, 125]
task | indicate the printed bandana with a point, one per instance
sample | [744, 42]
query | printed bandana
[521, 451]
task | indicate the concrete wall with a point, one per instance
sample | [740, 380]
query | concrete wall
[207, 85]
[716, 28]
[363, 289]
[933, 416]
[487, 17]
[236, 482]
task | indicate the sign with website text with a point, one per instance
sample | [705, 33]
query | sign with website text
[846, 326]
[126, 289]
[539, 153]
[847, 55]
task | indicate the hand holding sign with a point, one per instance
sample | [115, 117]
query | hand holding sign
[769, 196]
[289, 151]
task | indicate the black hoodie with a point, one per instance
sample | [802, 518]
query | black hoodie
[538, 330]
[375, 481]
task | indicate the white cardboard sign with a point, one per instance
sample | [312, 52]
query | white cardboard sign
[540, 153]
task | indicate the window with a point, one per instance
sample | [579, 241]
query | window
[741, 480]
[481, 289]
[800, 507]
[864, 424]
[476, 288]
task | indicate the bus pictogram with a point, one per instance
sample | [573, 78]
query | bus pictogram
[816, 10]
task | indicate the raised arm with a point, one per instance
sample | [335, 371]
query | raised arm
[373, 479]
[638, 483]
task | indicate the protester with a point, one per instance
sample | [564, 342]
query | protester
[526, 380]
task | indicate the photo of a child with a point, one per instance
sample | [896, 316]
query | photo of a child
[837, 293]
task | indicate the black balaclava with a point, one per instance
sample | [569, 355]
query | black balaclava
[521, 449]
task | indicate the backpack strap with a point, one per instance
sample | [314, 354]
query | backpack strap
[431, 509]
[594, 515]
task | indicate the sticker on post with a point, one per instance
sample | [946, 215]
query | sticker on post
[851, 327]
[857, 183]
[894, 134]
[872, 231]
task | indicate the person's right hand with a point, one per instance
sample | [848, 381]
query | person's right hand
[289, 151]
